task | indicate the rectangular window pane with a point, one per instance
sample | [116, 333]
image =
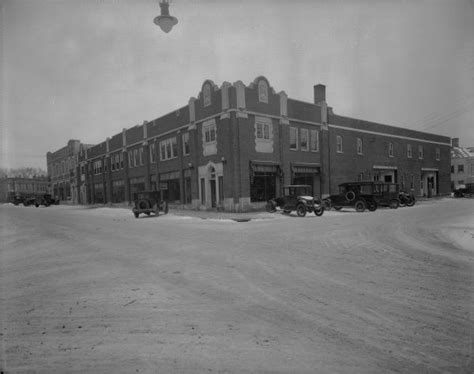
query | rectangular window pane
[304, 139]
[314, 140]
[293, 138]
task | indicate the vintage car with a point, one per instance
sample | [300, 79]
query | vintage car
[406, 199]
[387, 194]
[46, 200]
[148, 202]
[364, 195]
[358, 195]
[296, 197]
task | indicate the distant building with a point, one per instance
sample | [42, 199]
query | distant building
[462, 165]
[10, 186]
[233, 147]
[62, 168]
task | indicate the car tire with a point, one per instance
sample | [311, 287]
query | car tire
[350, 196]
[394, 204]
[300, 210]
[270, 207]
[143, 204]
[319, 211]
[372, 206]
[360, 206]
[410, 202]
[136, 214]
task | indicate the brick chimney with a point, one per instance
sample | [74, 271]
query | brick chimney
[319, 93]
[455, 142]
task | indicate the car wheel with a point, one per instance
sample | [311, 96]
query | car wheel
[143, 204]
[319, 211]
[394, 204]
[372, 206]
[359, 206]
[147, 213]
[37, 205]
[350, 195]
[270, 207]
[410, 202]
[300, 210]
[136, 214]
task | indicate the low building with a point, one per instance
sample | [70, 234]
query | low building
[233, 147]
[20, 186]
[462, 165]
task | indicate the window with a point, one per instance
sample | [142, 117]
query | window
[262, 130]
[304, 141]
[206, 92]
[390, 149]
[412, 182]
[420, 152]
[409, 151]
[121, 160]
[112, 162]
[135, 157]
[339, 144]
[210, 133]
[140, 156]
[314, 140]
[97, 167]
[152, 152]
[168, 149]
[186, 149]
[262, 91]
[461, 168]
[359, 146]
[293, 138]
[452, 169]
[438, 154]
[130, 159]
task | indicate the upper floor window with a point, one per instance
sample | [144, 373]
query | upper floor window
[97, 167]
[152, 152]
[210, 133]
[168, 149]
[359, 146]
[339, 144]
[304, 140]
[461, 168]
[409, 151]
[186, 149]
[314, 139]
[262, 91]
[206, 92]
[420, 151]
[263, 130]
[294, 138]
[438, 154]
[135, 157]
[390, 149]
[140, 156]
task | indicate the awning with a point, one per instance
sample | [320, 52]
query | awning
[383, 167]
[305, 168]
[264, 167]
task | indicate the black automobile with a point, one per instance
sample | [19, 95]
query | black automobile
[148, 202]
[358, 195]
[46, 200]
[296, 197]
[387, 194]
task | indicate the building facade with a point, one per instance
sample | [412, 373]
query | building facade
[11, 186]
[233, 147]
[462, 165]
[62, 168]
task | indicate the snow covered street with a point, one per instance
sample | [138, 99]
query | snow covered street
[98, 291]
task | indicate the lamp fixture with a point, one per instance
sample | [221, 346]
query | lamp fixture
[165, 20]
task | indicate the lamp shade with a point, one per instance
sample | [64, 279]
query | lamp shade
[166, 23]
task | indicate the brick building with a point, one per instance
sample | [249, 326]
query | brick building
[462, 165]
[233, 147]
[62, 168]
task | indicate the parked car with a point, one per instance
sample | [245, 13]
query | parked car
[406, 199]
[359, 195]
[386, 194]
[46, 200]
[148, 202]
[296, 197]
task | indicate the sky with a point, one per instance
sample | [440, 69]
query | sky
[87, 69]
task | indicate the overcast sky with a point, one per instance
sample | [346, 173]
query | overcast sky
[85, 69]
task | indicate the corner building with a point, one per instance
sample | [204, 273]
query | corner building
[235, 146]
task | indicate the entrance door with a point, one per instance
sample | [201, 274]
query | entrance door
[213, 192]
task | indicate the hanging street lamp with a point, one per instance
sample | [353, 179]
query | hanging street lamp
[165, 21]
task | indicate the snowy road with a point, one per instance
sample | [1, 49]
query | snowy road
[98, 291]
